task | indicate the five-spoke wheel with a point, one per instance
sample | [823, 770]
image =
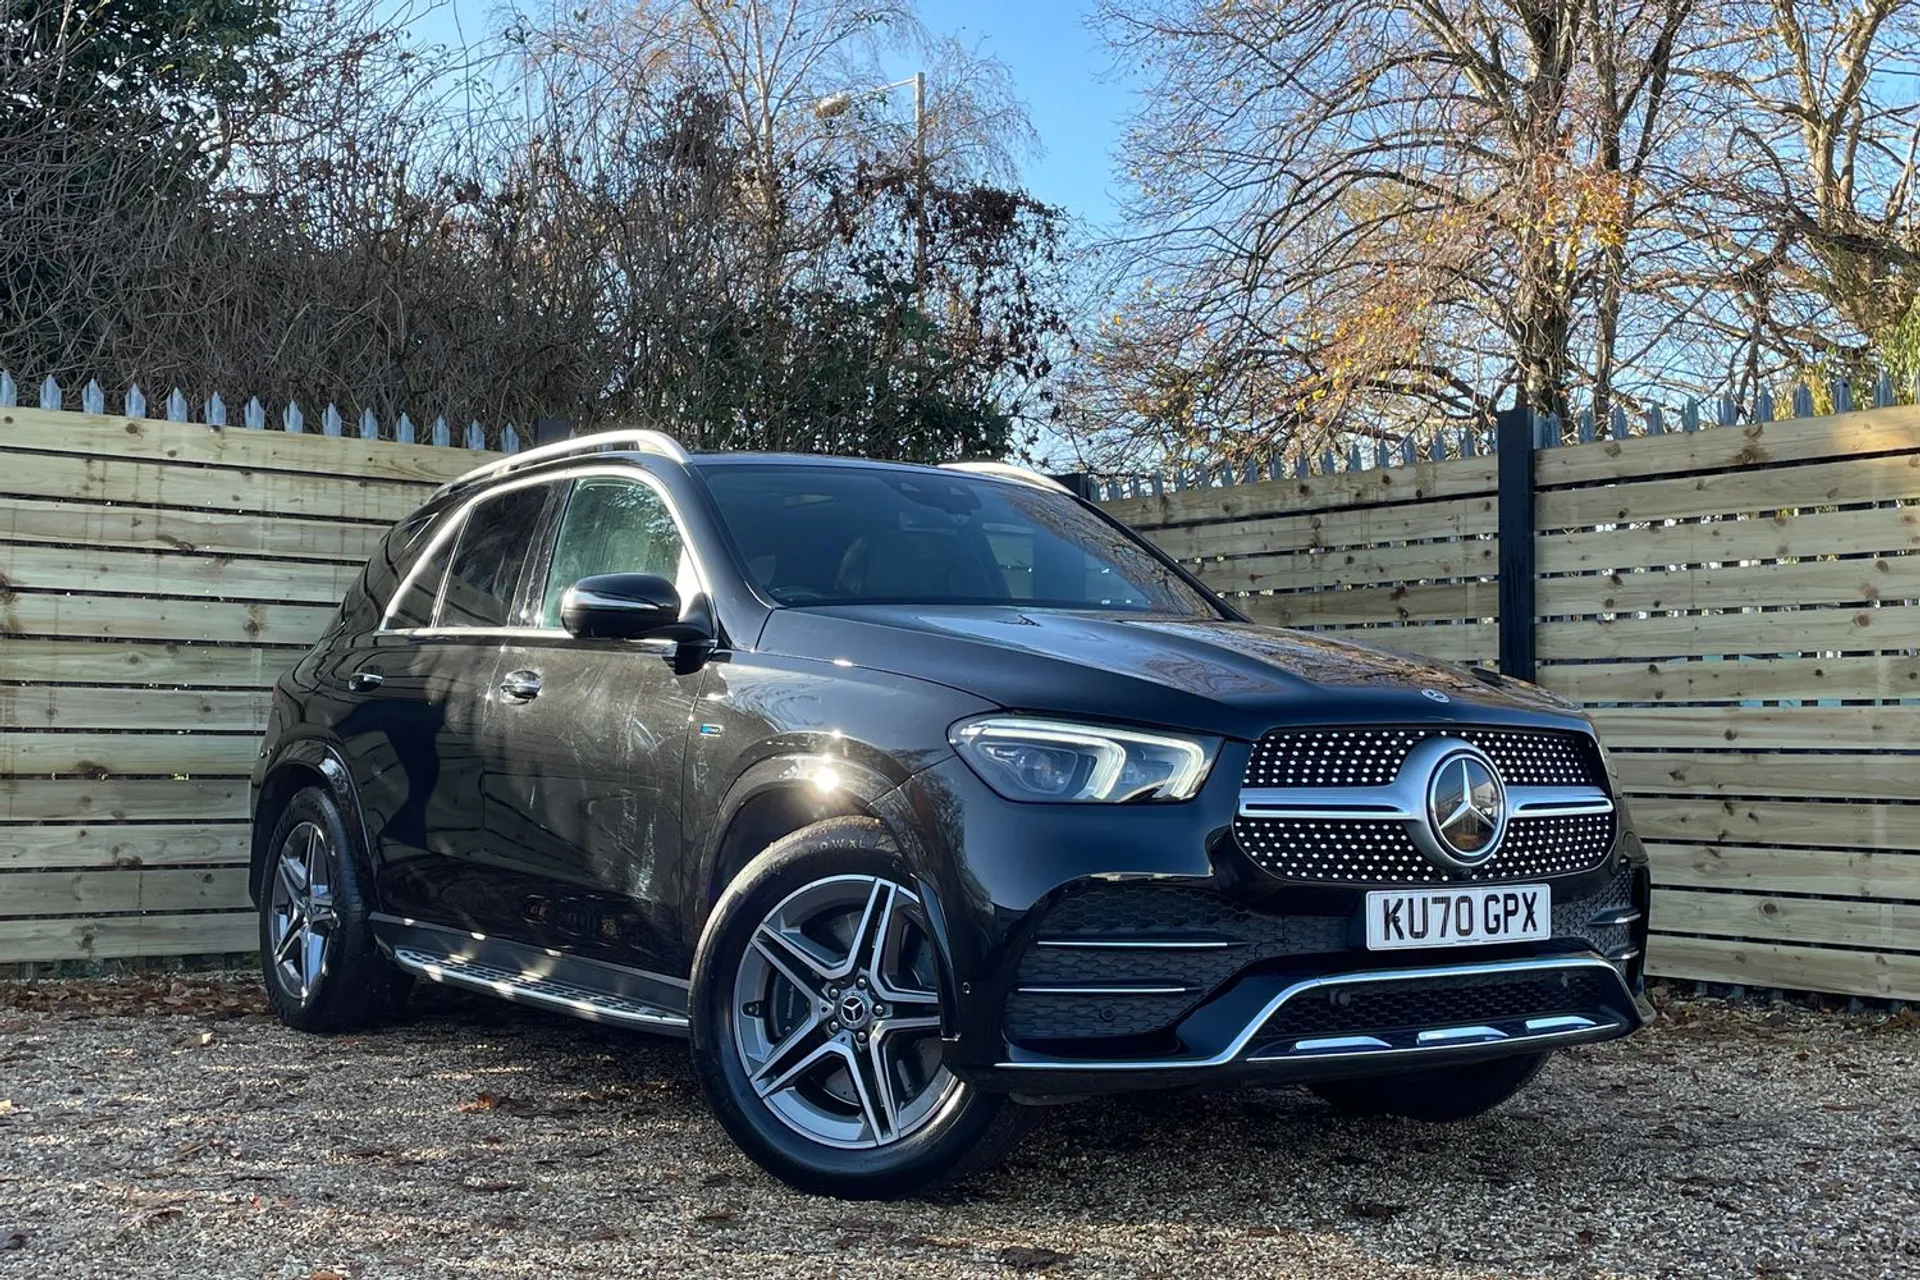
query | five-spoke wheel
[300, 916]
[323, 969]
[817, 1022]
[839, 1021]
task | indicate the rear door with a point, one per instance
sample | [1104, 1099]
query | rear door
[588, 737]
[431, 671]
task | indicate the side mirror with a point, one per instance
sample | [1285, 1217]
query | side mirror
[619, 606]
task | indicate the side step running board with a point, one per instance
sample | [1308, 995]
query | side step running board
[547, 993]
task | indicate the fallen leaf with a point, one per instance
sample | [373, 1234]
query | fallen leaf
[13, 1240]
[1022, 1258]
[489, 1184]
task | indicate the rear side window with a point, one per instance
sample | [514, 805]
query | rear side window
[413, 607]
[488, 557]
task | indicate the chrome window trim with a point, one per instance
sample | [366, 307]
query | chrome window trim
[458, 520]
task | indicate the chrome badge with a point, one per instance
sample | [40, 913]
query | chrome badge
[1434, 695]
[1466, 809]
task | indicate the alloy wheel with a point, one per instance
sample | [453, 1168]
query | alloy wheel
[836, 1015]
[300, 910]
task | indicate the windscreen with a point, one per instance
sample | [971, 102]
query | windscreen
[876, 535]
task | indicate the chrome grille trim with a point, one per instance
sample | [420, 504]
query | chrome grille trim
[1401, 802]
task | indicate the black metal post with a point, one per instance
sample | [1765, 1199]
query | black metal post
[551, 430]
[1515, 430]
[1080, 482]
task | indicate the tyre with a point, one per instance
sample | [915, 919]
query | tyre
[1438, 1095]
[816, 1024]
[322, 968]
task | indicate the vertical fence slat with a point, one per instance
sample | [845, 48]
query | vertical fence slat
[50, 394]
[9, 391]
[92, 398]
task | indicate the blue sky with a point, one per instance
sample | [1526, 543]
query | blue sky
[1059, 67]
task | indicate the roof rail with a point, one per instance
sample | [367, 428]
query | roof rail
[637, 439]
[1007, 471]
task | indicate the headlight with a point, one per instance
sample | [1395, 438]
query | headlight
[1028, 759]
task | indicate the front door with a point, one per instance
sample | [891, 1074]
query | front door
[586, 740]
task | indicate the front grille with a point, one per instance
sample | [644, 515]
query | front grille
[1343, 851]
[1372, 757]
[1459, 1000]
[1361, 852]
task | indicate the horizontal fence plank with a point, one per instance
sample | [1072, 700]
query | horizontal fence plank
[1849, 480]
[1802, 582]
[1738, 773]
[132, 618]
[104, 800]
[1354, 566]
[132, 662]
[1815, 823]
[82, 478]
[1867, 676]
[65, 707]
[165, 528]
[102, 845]
[34, 567]
[127, 937]
[1884, 975]
[1840, 728]
[1761, 634]
[1463, 642]
[106, 754]
[1833, 873]
[1892, 926]
[1843, 435]
[1453, 478]
[1881, 530]
[1366, 526]
[182, 442]
[65, 893]
[1419, 603]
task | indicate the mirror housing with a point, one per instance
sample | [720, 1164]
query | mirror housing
[621, 606]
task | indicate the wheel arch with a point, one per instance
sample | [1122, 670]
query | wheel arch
[302, 763]
[779, 796]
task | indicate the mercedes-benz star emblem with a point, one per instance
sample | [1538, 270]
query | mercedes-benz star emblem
[1434, 695]
[1466, 808]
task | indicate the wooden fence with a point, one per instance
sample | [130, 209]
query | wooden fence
[1735, 603]
[155, 579]
[1736, 607]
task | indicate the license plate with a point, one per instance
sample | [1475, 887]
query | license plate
[1400, 918]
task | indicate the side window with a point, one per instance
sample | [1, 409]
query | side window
[490, 553]
[613, 526]
[413, 607]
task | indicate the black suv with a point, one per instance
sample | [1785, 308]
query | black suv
[913, 795]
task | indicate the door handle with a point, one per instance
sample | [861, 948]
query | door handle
[522, 685]
[365, 681]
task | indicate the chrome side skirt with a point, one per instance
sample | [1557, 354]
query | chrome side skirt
[1542, 1031]
[548, 993]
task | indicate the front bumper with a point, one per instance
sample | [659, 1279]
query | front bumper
[1095, 950]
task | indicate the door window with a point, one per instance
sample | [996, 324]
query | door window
[614, 525]
[487, 561]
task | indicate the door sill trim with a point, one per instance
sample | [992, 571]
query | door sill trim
[596, 990]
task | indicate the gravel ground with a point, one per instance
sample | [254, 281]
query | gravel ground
[170, 1129]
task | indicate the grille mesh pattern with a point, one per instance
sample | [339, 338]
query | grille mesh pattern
[1372, 757]
[1332, 851]
[1346, 852]
[1441, 1002]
